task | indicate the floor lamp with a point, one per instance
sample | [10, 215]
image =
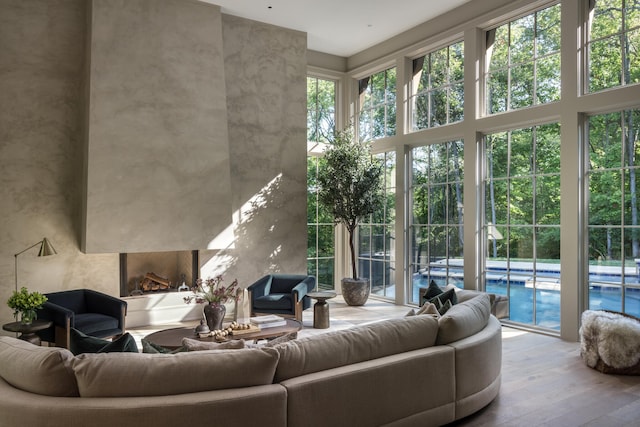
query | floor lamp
[46, 249]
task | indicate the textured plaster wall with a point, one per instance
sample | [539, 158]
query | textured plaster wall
[42, 135]
[266, 105]
[41, 76]
[158, 156]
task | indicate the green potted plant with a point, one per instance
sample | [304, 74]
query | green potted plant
[350, 187]
[25, 304]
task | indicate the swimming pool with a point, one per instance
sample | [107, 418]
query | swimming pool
[603, 294]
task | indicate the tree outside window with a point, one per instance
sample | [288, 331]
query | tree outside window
[377, 107]
[438, 87]
[523, 62]
[613, 43]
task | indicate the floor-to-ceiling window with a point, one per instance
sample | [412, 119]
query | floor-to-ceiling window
[613, 171]
[376, 236]
[522, 222]
[321, 122]
[612, 159]
[436, 207]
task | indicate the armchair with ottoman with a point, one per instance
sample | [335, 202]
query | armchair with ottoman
[90, 312]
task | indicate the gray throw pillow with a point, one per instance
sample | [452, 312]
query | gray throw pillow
[196, 345]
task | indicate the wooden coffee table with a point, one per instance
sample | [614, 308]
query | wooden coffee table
[172, 338]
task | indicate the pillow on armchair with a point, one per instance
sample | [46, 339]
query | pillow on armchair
[81, 343]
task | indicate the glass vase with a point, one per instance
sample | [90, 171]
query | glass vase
[28, 316]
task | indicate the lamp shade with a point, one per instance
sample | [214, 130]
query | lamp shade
[46, 248]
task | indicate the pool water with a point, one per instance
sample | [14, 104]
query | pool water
[547, 301]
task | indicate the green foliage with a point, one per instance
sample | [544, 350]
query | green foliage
[524, 61]
[350, 183]
[24, 300]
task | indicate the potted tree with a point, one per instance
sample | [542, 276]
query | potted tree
[350, 187]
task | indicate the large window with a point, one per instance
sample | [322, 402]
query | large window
[523, 62]
[438, 87]
[376, 237]
[436, 205]
[377, 105]
[522, 222]
[321, 108]
[614, 229]
[614, 43]
[511, 171]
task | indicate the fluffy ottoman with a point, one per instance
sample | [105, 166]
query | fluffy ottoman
[610, 342]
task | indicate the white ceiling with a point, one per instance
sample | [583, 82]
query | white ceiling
[341, 27]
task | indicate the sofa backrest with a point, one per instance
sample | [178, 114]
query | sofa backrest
[464, 319]
[136, 374]
[333, 349]
[36, 369]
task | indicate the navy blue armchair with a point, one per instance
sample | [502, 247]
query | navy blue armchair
[91, 312]
[282, 294]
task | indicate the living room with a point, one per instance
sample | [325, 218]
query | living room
[130, 127]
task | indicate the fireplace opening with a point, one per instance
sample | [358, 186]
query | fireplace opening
[156, 272]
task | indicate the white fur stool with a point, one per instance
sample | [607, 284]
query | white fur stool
[610, 342]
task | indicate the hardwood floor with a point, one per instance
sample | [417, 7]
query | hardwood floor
[546, 383]
[544, 380]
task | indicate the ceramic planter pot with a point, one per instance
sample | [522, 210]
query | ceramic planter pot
[355, 291]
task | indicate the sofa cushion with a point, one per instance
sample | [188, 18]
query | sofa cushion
[339, 348]
[273, 302]
[90, 323]
[81, 343]
[196, 345]
[40, 370]
[140, 374]
[464, 319]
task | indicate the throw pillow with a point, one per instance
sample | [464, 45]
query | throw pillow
[196, 345]
[149, 347]
[449, 295]
[80, 342]
[411, 312]
[282, 339]
[432, 291]
[429, 308]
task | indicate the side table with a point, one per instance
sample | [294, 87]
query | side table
[321, 308]
[28, 332]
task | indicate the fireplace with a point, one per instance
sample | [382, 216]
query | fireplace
[150, 273]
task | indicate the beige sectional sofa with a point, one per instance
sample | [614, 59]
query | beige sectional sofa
[411, 371]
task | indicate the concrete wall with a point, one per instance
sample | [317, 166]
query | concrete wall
[43, 57]
[158, 152]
